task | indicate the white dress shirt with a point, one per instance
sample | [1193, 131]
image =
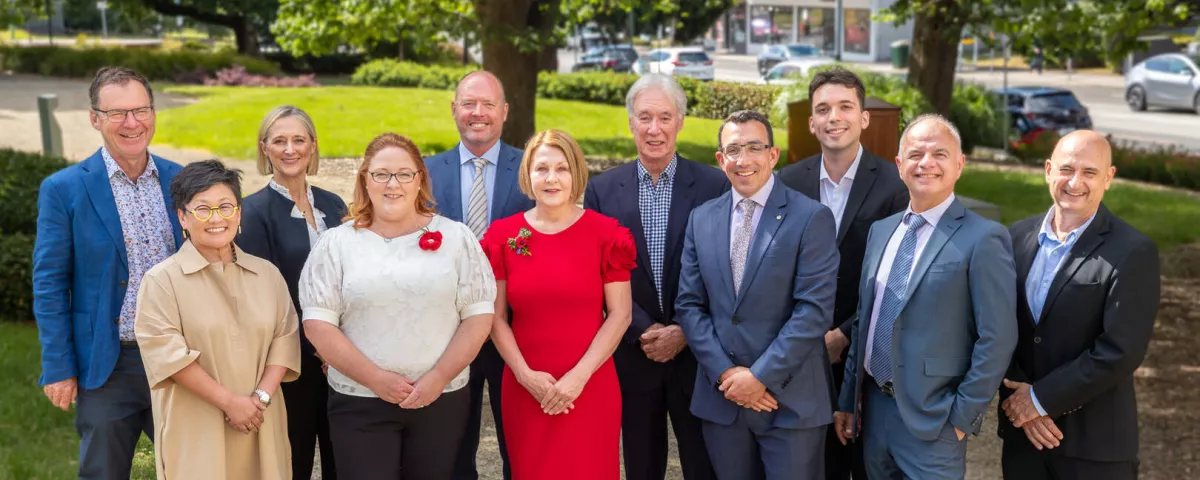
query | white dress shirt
[835, 194]
[735, 220]
[932, 216]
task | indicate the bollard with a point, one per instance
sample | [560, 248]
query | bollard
[51, 132]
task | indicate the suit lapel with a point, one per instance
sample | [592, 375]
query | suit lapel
[332, 218]
[1026, 248]
[865, 178]
[99, 191]
[682, 198]
[810, 180]
[874, 255]
[773, 215]
[724, 211]
[946, 227]
[630, 214]
[451, 185]
[1089, 241]
[506, 176]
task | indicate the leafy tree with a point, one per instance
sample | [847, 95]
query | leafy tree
[248, 19]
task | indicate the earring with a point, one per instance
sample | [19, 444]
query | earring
[239, 229]
[185, 234]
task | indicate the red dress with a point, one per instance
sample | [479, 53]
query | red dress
[556, 293]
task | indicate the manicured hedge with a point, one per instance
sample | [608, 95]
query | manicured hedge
[21, 175]
[155, 64]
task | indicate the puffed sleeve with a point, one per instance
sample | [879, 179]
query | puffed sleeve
[619, 256]
[320, 285]
[493, 246]
[476, 282]
[159, 329]
[285, 347]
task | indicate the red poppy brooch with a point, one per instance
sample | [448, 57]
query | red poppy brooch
[430, 240]
[520, 243]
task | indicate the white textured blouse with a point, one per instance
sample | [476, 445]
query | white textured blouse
[318, 215]
[398, 304]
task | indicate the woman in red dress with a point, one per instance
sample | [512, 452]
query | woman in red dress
[560, 268]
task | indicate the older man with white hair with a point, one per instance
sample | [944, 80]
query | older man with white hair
[653, 198]
[937, 320]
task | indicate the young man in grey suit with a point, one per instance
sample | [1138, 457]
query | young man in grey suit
[476, 183]
[937, 322]
[860, 189]
[756, 291]
[1088, 290]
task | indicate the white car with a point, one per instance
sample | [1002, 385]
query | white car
[789, 72]
[678, 62]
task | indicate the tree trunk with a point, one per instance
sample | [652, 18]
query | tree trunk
[245, 32]
[246, 37]
[937, 29]
[500, 22]
[548, 59]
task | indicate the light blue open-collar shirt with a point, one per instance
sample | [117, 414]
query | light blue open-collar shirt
[467, 177]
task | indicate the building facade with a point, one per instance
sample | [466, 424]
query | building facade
[752, 24]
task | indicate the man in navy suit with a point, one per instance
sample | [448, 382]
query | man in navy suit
[653, 196]
[476, 183]
[936, 320]
[101, 224]
[756, 294]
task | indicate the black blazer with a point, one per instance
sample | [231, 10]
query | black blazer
[877, 193]
[615, 194]
[1093, 333]
[269, 231]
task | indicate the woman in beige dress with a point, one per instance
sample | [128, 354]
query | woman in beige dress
[218, 333]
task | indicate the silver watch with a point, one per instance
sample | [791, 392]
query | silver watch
[263, 397]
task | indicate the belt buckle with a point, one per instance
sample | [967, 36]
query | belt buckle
[888, 388]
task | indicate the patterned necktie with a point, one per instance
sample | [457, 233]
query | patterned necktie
[893, 298]
[741, 242]
[477, 214]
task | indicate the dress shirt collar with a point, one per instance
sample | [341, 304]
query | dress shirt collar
[850, 172]
[933, 215]
[668, 173]
[111, 167]
[191, 261]
[492, 155]
[759, 197]
[1047, 235]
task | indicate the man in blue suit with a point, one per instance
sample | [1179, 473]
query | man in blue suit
[476, 183]
[937, 320]
[756, 294]
[101, 224]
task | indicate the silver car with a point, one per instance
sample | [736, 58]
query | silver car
[1168, 80]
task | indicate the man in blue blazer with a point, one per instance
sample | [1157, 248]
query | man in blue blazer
[756, 294]
[936, 320]
[476, 183]
[654, 196]
[101, 224]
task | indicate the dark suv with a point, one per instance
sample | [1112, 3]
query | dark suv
[616, 58]
[1044, 108]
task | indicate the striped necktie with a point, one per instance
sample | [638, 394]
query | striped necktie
[477, 213]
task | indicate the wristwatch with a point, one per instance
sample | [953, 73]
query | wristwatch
[263, 397]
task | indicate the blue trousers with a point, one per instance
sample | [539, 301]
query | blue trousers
[110, 419]
[751, 448]
[891, 452]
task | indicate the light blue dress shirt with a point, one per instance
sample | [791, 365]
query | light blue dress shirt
[467, 177]
[1049, 260]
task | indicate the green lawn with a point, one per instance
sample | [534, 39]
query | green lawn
[226, 119]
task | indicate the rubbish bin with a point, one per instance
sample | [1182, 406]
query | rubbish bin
[900, 54]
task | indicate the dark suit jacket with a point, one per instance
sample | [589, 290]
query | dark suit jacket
[877, 193]
[445, 172]
[615, 194]
[269, 231]
[1093, 333]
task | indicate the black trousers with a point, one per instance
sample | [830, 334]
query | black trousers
[664, 390]
[1020, 460]
[487, 367]
[842, 462]
[308, 419]
[374, 439]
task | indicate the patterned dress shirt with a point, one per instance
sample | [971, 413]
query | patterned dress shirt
[654, 202]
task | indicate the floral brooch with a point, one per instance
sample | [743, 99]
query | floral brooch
[430, 241]
[520, 243]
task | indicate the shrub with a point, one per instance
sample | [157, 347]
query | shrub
[21, 175]
[16, 277]
[1166, 165]
[393, 73]
[1035, 147]
[156, 65]
[237, 76]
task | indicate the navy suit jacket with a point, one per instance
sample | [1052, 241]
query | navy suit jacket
[956, 331]
[615, 194]
[81, 270]
[445, 171]
[776, 325]
[270, 232]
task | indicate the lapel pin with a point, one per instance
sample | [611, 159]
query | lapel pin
[779, 217]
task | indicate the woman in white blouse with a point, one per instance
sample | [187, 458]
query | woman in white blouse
[398, 301]
[282, 227]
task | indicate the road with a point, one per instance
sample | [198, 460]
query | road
[1103, 95]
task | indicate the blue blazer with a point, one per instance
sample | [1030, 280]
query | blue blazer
[956, 331]
[776, 326]
[445, 172]
[81, 270]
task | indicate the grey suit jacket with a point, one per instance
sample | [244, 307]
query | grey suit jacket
[957, 330]
[776, 324]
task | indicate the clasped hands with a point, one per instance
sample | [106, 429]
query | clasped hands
[662, 343]
[743, 388]
[399, 390]
[244, 413]
[557, 396]
[1039, 429]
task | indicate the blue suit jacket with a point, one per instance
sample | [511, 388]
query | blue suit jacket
[956, 332]
[445, 171]
[81, 270]
[776, 326]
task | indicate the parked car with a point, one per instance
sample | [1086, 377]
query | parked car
[1168, 80]
[775, 54]
[614, 58]
[787, 73]
[1035, 109]
[679, 62]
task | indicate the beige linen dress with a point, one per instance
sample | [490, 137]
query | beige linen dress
[232, 320]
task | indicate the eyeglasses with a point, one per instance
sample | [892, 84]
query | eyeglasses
[204, 212]
[118, 115]
[385, 177]
[734, 150]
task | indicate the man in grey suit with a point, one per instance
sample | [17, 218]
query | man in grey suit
[937, 323]
[476, 183]
[756, 291]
